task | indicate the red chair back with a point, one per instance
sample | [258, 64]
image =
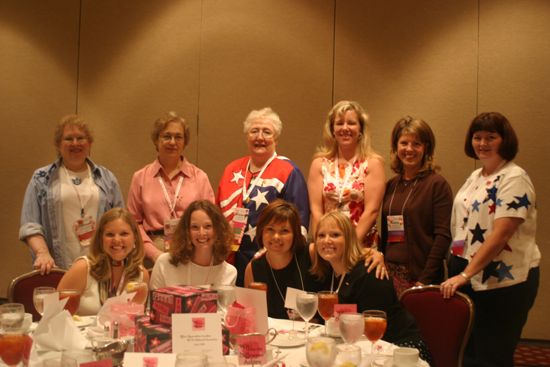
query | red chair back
[445, 324]
[21, 288]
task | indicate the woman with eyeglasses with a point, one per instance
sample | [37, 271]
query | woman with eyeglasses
[65, 199]
[250, 183]
[160, 191]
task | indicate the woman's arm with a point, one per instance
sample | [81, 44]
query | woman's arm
[248, 275]
[503, 230]
[76, 277]
[374, 186]
[43, 259]
[315, 190]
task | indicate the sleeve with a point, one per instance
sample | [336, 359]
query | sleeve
[157, 276]
[135, 206]
[116, 200]
[295, 191]
[514, 197]
[442, 204]
[383, 219]
[31, 212]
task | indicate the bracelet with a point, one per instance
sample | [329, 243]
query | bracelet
[465, 276]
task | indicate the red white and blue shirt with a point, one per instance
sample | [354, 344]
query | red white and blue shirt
[508, 193]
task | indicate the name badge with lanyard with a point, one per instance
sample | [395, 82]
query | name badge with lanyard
[396, 223]
[83, 227]
[240, 218]
[171, 223]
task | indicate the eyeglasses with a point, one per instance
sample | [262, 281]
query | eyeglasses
[167, 138]
[78, 139]
[266, 133]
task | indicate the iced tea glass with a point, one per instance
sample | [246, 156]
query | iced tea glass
[73, 301]
[140, 289]
[327, 300]
[375, 326]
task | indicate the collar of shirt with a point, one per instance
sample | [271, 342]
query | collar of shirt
[185, 168]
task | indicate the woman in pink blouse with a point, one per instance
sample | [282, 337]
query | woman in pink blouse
[160, 191]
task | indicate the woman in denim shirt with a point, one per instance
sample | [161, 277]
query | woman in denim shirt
[64, 199]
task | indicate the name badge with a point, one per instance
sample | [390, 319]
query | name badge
[396, 228]
[239, 221]
[84, 229]
[170, 226]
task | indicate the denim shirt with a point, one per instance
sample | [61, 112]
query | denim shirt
[42, 208]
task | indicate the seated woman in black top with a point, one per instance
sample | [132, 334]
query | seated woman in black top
[336, 262]
[287, 260]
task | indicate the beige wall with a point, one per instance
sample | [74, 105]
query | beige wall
[121, 64]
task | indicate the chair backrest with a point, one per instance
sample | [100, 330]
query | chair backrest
[445, 324]
[21, 288]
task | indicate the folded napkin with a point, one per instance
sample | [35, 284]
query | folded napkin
[57, 329]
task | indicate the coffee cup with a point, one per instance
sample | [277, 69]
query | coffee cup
[405, 357]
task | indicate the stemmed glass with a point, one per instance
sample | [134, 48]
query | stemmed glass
[327, 300]
[38, 295]
[140, 288]
[375, 326]
[258, 286]
[13, 341]
[320, 351]
[306, 305]
[74, 299]
[351, 326]
[226, 297]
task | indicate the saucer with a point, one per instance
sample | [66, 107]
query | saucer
[284, 340]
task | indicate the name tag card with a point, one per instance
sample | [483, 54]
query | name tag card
[149, 359]
[197, 332]
[251, 349]
[341, 308]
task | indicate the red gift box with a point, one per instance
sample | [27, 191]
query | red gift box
[188, 299]
[152, 338]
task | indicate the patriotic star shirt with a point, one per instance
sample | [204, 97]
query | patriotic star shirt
[508, 193]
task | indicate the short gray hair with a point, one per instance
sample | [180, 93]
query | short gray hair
[264, 113]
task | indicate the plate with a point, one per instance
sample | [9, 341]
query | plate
[283, 340]
[83, 321]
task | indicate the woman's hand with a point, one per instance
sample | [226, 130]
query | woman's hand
[44, 262]
[260, 253]
[375, 259]
[451, 285]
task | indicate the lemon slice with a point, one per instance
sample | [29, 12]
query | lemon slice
[319, 346]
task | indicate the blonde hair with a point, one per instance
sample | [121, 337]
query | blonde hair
[329, 146]
[352, 250]
[71, 120]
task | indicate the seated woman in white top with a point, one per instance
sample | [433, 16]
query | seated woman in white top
[114, 259]
[198, 250]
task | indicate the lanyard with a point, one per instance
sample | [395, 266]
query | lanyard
[407, 199]
[339, 284]
[342, 183]
[275, 279]
[246, 193]
[171, 204]
[76, 190]
[120, 287]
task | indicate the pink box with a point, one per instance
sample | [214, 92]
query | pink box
[152, 338]
[187, 299]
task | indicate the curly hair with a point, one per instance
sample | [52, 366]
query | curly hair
[265, 113]
[320, 268]
[71, 120]
[329, 146]
[182, 248]
[410, 125]
[281, 211]
[100, 262]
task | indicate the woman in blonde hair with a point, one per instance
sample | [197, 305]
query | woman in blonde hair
[115, 258]
[416, 213]
[347, 175]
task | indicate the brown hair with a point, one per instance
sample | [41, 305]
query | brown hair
[281, 211]
[496, 123]
[410, 125]
[162, 122]
[182, 248]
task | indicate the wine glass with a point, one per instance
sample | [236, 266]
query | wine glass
[13, 340]
[306, 305]
[140, 288]
[38, 295]
[74, 299]
[351, 326]
[226, 297]
[327, 300]
[375, 326]
[320, 351]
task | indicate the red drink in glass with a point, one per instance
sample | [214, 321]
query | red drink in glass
[12, 347]
[327, 300]
[141, 290]
[375, 327]
[74, 299]
[258, 285]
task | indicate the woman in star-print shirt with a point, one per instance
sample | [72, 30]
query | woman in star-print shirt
[493, 226]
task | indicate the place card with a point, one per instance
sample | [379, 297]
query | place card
[341, 308]
[197, 332]
[149, 359]
[290, 297]
[251, 349]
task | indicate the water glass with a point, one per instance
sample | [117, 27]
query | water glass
[347, 355]
[320, 351]
[351, 326]
[11, 317]
[306, 305]
[38, 295]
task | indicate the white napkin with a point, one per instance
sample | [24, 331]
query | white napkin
[57, 329]
[104, 314]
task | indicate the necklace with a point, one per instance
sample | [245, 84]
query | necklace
[275, 279]
[339, 283]
[76, 180]
[117, 263]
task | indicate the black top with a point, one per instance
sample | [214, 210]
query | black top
[288, 276]
[369, 293]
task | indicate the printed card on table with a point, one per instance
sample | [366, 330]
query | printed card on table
[149, 359]
[197, 332]
[341, 308]
[251, 349]
[290, 297]
[257, 299]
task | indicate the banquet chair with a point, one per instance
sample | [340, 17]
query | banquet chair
[21, 288]
[444, 324]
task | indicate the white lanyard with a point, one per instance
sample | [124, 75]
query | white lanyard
[275, 279]
[342, 183]
[407, 199]
[246, 193]
[171, 204]
[339, 284]
[207, 274]
[77, 192]
[120, 287]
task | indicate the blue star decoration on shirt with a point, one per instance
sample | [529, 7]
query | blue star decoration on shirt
[519, 202]
[497, 269]
[477, 233]
[475, 206]
[491, 194]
